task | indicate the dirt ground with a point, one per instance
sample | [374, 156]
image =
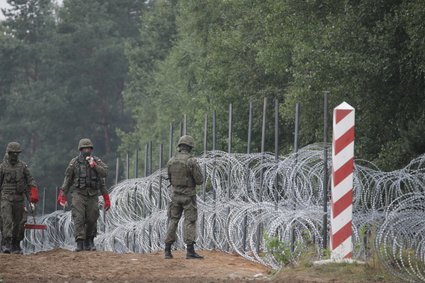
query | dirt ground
[99, 267]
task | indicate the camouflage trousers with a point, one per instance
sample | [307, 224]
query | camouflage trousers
[85, 212]
[12, 211]
[21, 233]
[178, 205]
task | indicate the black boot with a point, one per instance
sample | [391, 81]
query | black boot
[92, 245]
[16, 246]
[86, 244]
[7, 246]
[167, 253]
[80, 245]
[191, 254]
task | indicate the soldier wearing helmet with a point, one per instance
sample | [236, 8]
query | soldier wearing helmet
[86, 174]
[15, 182]
[184, 174]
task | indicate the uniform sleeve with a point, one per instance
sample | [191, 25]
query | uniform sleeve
[103, 187]
[69, 178]
[196, 171]
[29, 180]
[101, 168]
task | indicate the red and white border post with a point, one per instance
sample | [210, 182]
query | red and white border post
[342, 182]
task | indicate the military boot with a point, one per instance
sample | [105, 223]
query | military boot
[167, 251]
[16, 246]
[86, 245]
[92, 245]
[80, 245]
[191, 254]
[7, 246]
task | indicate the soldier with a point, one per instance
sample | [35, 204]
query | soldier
[184, 174]
[86, 173]
[15, 182]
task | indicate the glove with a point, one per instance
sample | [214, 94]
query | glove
[91, 161]
[107, 202]
[34, 195]
[62, 200]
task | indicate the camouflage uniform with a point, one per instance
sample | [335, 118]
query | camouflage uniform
[184, 174]
[87, 183]
[15, 180]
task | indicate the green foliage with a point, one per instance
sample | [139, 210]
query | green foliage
[208, 55]
[280, 250]
[62, 75]
[144, 101]
[123, 72]
[326, 253]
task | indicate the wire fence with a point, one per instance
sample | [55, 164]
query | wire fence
[247, 193]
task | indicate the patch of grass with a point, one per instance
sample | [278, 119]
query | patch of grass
[371, 271]
[279, 249]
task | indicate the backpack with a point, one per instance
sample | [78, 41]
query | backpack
[180, 172]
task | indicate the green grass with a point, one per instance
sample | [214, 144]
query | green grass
[371, 271]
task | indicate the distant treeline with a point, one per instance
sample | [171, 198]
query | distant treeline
[119, 72]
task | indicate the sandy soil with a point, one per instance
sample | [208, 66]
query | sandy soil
[101, 267]
[91, 267]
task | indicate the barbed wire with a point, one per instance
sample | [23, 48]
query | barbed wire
[248, 196]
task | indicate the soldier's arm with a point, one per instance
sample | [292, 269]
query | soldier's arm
[69, 178]
[29, 180]
[196, 171]
[103, 187]
[101, 168]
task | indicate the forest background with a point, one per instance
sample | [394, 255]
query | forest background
[121, 71]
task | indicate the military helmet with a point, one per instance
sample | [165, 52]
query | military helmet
[85, 143]
[13, 147]
[187, 140]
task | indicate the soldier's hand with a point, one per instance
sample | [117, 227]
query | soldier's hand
[62, 200]
[34, 195]
[91, 161]
[107, 201]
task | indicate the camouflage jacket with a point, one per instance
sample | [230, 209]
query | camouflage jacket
[15, 179]
[184, 173]
[86, 180]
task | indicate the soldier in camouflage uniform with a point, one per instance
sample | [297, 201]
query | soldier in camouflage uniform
[15, 182]
[184, 174]
[86, 174]
[21, 232]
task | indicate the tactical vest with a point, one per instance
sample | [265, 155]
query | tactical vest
[13, 178]
[180, 172]
[85, 177]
